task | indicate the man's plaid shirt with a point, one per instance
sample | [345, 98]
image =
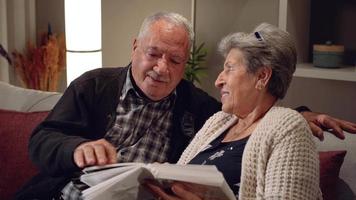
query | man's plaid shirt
[140, 132]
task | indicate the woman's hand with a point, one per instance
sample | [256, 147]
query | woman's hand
[180, 192]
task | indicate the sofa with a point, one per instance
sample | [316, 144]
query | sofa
[338, 185]
[22, 109]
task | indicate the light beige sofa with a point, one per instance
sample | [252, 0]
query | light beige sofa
[26, 100]
[21, 110]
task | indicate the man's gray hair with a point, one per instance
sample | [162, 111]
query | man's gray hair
[267, 46]
[170, 17]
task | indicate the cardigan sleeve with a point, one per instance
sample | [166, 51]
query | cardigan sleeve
[292, 170]
[53, 142]
[84, 113]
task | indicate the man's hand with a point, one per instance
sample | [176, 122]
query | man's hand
[179, 190]
[99, 152]
[321, 122]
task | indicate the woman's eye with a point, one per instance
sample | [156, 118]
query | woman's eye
[229, 68]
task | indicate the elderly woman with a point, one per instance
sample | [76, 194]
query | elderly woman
[264, 151]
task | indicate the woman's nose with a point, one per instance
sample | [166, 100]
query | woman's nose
[219, 81]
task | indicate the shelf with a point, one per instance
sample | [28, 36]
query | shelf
[307, 70]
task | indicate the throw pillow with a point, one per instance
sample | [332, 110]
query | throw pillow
[15, 131]
[330, 164]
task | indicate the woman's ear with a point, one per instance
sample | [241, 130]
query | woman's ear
[263, 76]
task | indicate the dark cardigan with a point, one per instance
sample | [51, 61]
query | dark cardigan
[86, 111]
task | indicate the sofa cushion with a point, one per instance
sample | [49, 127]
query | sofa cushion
[16, 168]
[347, 171]
[26, 100]
[330, 164]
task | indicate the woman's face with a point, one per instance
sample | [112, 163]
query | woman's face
[237, 86]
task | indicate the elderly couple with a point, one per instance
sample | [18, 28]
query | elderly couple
[145, 112]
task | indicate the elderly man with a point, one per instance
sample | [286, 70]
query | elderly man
[144, 112]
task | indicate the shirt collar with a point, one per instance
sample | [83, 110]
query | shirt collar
[131, 86]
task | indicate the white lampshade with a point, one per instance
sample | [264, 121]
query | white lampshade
[78, 63]
[83, 36]
[83, 24]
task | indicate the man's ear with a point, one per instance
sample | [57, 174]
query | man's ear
[134, 47]
[263, 76]
[134, 44]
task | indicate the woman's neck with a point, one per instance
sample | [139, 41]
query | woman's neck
[265, 102]
[246, 125]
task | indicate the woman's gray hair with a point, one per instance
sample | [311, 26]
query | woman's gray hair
[267, 46]
[171, 17]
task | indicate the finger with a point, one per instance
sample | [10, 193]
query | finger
[159, 192]
[79, 158]
[89, 155]
[317, 131]
[348, 126]
[183, 193]
[100, 154]
[337, 134]
[332, 124]
[310, 116]
[110, 152]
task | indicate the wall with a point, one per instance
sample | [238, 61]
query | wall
[297, 24]
[17, 27]
[4, 66]
[121, 21]
[120, 26]
[328, 96]
[215, 19]
[336, 98]
[49, 12]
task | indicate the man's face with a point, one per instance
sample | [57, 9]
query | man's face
[158, 59]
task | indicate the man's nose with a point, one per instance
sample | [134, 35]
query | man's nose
[162, 66]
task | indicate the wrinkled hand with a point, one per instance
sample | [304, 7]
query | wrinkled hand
[321, 122]
[179, 190]
[99, 152]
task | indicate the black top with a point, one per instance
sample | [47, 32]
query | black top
[227, 157]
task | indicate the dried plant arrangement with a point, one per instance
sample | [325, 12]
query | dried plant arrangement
[40, 67]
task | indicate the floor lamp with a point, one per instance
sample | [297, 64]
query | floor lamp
[83, 36]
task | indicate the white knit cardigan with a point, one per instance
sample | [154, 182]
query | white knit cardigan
[280, 160]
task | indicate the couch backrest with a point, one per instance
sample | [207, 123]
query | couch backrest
[26, 100]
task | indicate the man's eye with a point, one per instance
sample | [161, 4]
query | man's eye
[153, 55]
[176, 62]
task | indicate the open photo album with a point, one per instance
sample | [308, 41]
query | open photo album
[124, 181]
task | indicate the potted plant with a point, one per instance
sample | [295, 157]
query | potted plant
[194, 70]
